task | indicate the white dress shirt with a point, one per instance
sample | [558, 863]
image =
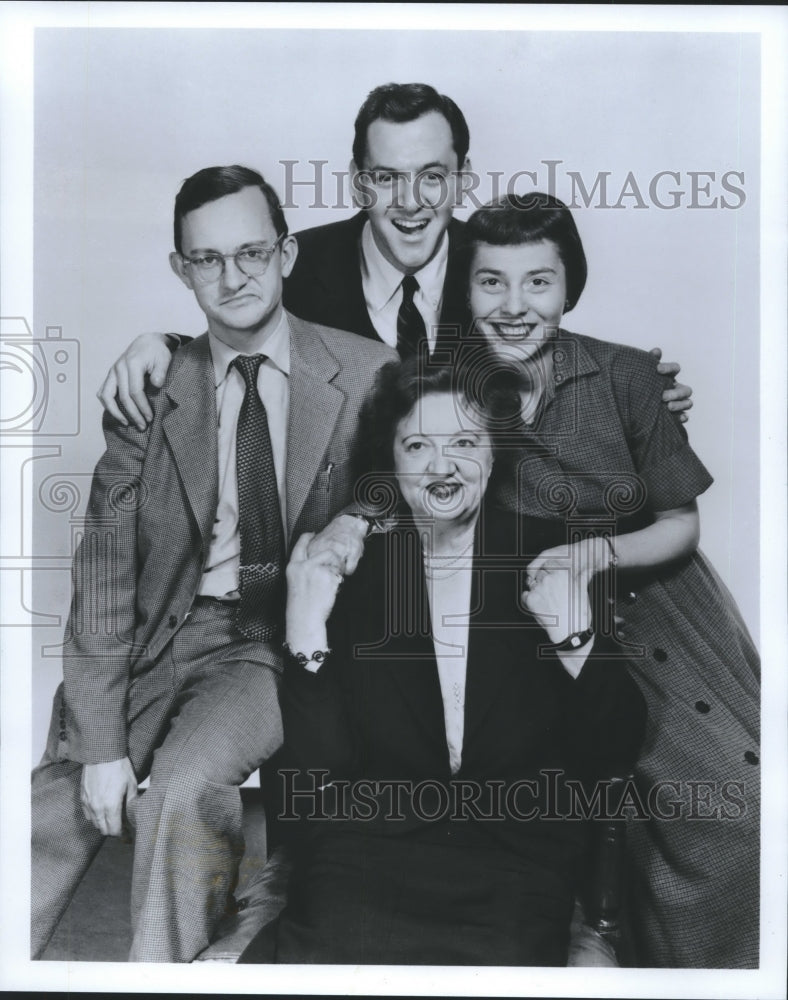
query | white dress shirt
[220, 578]
[449, 591]
[382, 283]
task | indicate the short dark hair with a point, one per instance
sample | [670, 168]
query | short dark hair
[513, 220]
[212, 183]
[405, 102]
[399, 385]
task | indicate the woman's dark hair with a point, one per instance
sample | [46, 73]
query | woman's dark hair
[213, 183]
[405, 102]
[514, 220]
[482, 387]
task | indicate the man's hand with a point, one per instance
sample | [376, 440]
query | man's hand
[147, 355]
[678, 396]
[341, 542]
[104, 789]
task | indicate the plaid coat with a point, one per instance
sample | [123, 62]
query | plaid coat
[605, 452]
[151, 512]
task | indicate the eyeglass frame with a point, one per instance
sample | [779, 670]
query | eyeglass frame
[269, 252]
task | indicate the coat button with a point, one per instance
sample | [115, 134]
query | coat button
[631, 597]
[751, 758]
[173, 621]
[660, 655]
[703, 706]
[62, 734]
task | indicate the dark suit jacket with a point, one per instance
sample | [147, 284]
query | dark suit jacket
[152, 507]
[374, 709]
[325, 284]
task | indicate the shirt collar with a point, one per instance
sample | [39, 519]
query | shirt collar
[570, 361]
[382, 279]
[276, 348]
[571, 358]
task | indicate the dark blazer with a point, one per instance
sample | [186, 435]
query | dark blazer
[374, 709]
[151, 513]
[325, 284]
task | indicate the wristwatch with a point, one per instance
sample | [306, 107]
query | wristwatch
[571, 642]
[375, 525]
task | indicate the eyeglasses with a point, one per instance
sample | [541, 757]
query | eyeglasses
[251, 261]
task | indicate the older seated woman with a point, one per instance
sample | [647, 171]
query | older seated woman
[439, 726]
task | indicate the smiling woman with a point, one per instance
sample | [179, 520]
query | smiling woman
[518, 295]
[598, 451]
[425, 672]
[443, 460]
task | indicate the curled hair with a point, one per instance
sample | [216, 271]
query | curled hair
[514, 220]
[400, 385]
[212, 183]
[405, 102]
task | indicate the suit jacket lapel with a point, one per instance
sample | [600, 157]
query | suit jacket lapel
[491, 638]
[396, 613]
[502, 635]
[340, 276]
[455, 284]
[190, 429]
[315, 405]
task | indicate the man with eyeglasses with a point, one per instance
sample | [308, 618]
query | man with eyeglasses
[173, 646]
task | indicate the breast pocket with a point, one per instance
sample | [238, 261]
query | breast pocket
[332, 490]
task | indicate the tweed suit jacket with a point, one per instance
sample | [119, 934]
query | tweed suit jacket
[325, 283]
[152, 507]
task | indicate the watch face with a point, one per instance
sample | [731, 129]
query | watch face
[378, 525]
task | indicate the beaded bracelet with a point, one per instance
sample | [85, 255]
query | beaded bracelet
[302, 659]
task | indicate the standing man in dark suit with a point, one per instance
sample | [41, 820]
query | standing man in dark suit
[172, 653]
[394, 271]
[402, 252]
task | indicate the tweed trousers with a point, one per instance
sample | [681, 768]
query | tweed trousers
[199, 723]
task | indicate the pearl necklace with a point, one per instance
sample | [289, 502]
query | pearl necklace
[440, 564]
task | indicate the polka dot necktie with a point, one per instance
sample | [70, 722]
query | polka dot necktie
[411, 330]
[261, 575]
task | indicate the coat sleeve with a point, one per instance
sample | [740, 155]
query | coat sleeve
[314, 717]
[99, 641]
[608, 715]
[316, 713]
[672, 473]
